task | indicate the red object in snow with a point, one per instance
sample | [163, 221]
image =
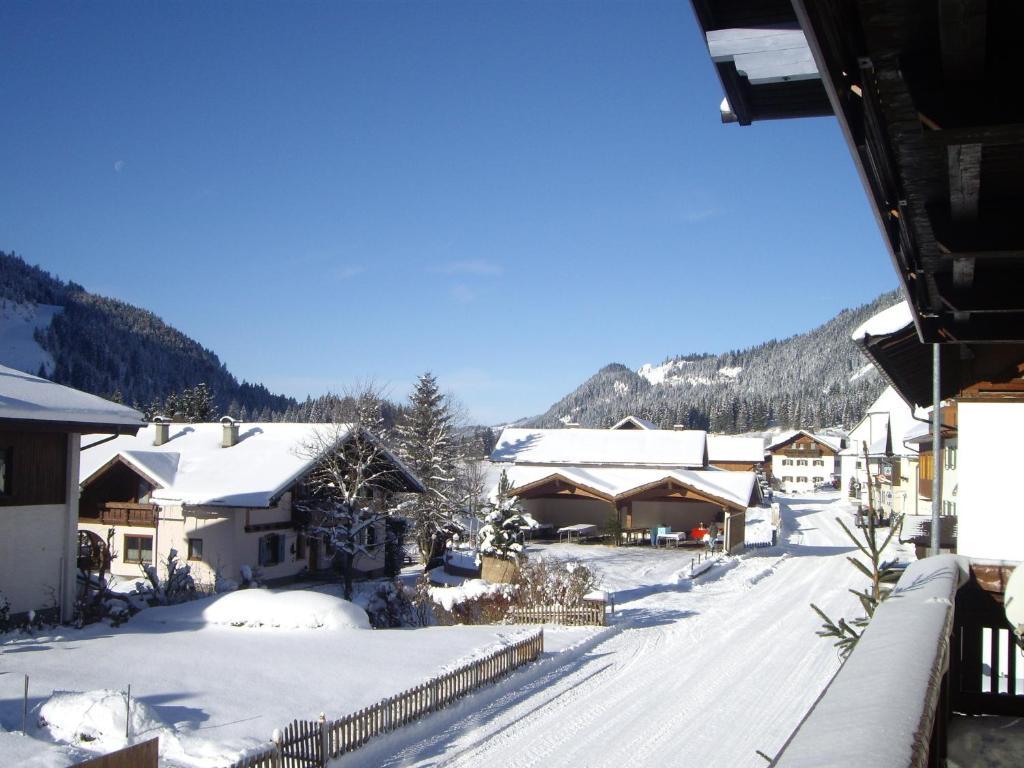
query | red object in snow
[696, 534]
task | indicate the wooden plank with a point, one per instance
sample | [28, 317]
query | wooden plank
[144, 755]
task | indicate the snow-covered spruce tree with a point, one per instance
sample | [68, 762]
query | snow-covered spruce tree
[352, 468]
[431, 449]
[502, 535]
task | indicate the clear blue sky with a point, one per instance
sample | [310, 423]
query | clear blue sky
[509, 194]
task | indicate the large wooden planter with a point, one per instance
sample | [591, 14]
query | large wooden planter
[498, 570]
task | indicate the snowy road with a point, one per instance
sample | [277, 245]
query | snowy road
[700, 676]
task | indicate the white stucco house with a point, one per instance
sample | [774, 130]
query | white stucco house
[220, 494]
[802, 461]
[41, 429]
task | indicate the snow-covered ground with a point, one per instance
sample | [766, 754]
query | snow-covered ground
[18, 324]
[697, 672]
[212, 689]
[693, 671]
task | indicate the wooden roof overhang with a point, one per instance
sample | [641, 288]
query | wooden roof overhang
[925, 95]
[799, 434]
[778, 98]
[672, 489]
[982, 371]
[115, 460]
[559, 486]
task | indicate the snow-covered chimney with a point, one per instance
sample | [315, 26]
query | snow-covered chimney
[163, 430]
[679, 427]
[230, 434]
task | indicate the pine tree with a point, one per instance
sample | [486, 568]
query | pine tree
[429, 447]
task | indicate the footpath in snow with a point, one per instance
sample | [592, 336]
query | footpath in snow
[701, 672]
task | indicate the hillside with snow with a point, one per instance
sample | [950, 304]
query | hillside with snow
[20, 322]
[814, 379]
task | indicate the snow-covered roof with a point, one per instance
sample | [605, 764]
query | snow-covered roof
[889, 411]
[634, 422]
[887, 321]
[615, 447]
[192, 467]
[27, 398]
[732, 448]
[614, 483]
[830, 441]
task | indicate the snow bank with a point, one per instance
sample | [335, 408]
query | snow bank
[470, 589]
[287, 610]
[96, 718]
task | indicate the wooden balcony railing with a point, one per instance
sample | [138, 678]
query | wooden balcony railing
[124, 513]
[807, 453]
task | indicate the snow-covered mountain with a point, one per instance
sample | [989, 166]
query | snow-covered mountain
[813, 379]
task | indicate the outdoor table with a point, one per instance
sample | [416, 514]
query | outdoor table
[580, 529]
[676, 537]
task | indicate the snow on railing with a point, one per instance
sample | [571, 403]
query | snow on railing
[879, 709]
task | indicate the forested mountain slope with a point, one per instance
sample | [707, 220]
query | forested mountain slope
[813, 379]
[108, 347]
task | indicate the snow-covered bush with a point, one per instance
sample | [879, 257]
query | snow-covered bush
[176, 587]
[389, 607]
[548, 581]
[502, 536]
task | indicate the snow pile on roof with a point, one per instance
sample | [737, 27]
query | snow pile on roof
[285, 610]
[18, 324]
[735, 488]
[193, 468]
[890, 320]
[731, 448]
[96, 718]
[623, 447]
[24, 397]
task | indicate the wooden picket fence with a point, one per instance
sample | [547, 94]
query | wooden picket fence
[590, 614]
[311, 744]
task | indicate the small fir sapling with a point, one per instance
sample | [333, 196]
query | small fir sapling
[177, 587]
[879, 574]
[502, 534]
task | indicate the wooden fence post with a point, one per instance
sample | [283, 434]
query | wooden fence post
[325, 749]
[276, 757]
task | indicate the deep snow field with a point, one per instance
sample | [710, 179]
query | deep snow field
[693, 671]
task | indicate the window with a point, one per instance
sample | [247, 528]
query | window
[195, 549]
[787, 462]
[801, 462]
[787, 479]
[801, 479]
[819, 479]
[860, 465]
[949, 507]
[138, 549]
[271, 549]
[950, 452]
[5, 471]
[818, 463]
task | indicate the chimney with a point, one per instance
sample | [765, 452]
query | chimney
[679, 427]
[163, 430]
[230, 434]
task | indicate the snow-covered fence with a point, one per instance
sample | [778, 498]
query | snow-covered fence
[591, 613]
[306, 744]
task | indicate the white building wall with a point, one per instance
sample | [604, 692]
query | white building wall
[991, 447]
[32, 545]
[782, 470]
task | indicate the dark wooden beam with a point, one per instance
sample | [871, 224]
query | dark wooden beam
[964, 165]
[987, 135]
[962, 32]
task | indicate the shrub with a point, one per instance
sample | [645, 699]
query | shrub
[548, 581]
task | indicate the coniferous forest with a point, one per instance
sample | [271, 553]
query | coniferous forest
[119, 351]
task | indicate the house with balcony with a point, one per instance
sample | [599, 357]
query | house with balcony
[919, 93]
[643, 478]
[222, 495]
[41, 443]
[802, 461]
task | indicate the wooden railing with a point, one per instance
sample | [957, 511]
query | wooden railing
[115, 513]
[312, 744]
